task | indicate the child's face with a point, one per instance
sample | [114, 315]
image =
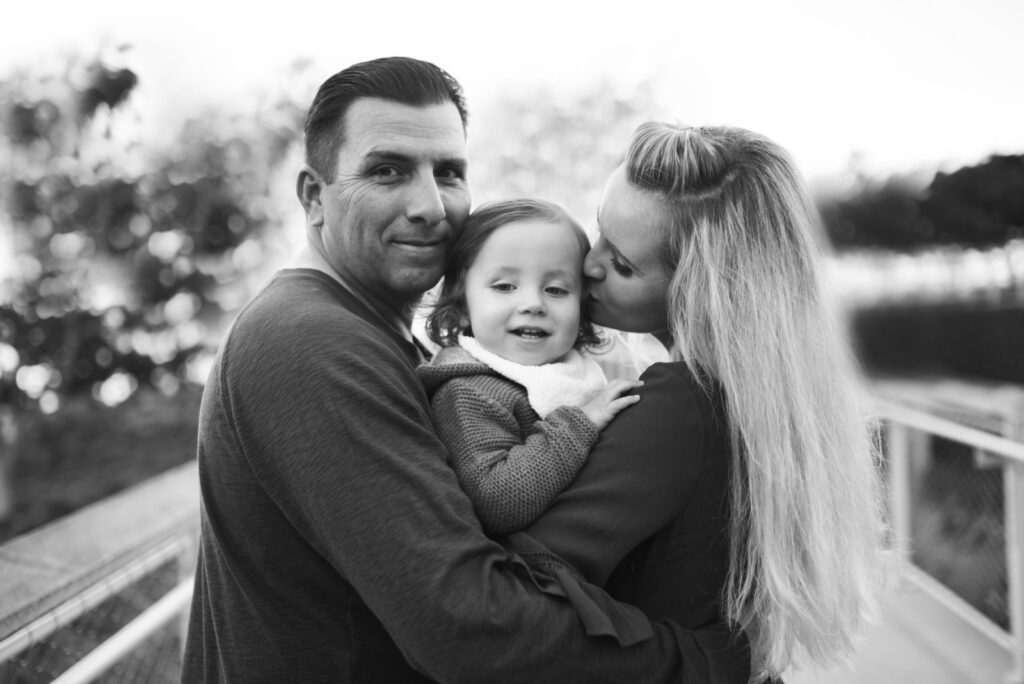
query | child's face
[523, 292]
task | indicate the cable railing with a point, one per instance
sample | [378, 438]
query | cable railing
[105, 592]
[955, 461]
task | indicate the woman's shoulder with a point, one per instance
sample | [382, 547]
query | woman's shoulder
[676, 384]
[677, 375]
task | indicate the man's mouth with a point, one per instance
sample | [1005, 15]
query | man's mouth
[528, 333]
[420, 244]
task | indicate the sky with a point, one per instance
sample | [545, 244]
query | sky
[886, 86]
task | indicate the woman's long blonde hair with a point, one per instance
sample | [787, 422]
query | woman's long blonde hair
[747, 307]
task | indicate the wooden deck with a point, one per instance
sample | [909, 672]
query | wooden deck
[918, 641]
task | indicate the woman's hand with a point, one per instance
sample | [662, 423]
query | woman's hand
[612, 399]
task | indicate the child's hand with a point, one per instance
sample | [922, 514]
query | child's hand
[606, 405]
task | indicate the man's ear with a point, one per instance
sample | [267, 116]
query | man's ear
[309, 187]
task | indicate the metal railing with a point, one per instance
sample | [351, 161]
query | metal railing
[104, 591]
[955, 460]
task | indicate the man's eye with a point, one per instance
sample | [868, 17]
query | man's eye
[450, 174]
[621, 268]
[386, 172]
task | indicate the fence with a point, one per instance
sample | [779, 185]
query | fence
[104, 592]
[955, 457]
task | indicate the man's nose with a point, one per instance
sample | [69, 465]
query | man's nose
[425, 202]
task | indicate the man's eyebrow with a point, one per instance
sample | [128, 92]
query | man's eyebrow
[385, 155]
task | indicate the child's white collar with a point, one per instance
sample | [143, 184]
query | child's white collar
[573, 381]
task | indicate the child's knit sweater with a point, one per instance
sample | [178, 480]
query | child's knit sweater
[511, 463]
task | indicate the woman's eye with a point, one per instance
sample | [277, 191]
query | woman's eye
[621, 268]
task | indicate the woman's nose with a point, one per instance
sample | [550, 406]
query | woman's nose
[592, 267]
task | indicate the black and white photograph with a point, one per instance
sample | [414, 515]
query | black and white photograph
[636, 342]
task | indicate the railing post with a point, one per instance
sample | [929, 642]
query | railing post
[1013, 510]
[898, 442]
[1013, 488]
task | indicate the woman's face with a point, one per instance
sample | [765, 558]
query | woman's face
[628, 281]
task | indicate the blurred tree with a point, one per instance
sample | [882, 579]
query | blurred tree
[127, 253]
[980, 206]
[559, 145]
[883, 215]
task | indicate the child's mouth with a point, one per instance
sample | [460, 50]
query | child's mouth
[530, 333]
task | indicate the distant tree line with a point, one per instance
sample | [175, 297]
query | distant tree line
[979, 206]
[975, 206]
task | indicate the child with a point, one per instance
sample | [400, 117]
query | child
[514, 400]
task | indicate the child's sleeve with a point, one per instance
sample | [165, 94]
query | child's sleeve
[510, 479]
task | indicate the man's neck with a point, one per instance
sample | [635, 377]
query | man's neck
[310, 258]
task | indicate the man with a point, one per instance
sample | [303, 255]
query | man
[336, 543]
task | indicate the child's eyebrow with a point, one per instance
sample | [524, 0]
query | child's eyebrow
[570, 274]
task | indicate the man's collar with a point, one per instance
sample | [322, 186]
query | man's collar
[308, 258]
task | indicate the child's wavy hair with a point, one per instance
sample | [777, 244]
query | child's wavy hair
[449, 316]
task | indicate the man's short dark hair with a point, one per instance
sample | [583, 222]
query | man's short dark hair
[400, 79]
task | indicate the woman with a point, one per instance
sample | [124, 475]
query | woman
[743, 485]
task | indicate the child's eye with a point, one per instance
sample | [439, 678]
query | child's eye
[556, 291]
[503, 287]
[621, 268]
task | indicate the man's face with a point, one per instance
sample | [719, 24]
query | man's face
[398, 197]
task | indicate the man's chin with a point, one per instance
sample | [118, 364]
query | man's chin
[416, 283]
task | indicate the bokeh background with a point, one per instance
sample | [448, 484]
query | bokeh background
[148, 159]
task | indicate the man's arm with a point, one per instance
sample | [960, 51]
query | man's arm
[510, 480]
[348, 452]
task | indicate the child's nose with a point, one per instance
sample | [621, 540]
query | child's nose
[531, 303]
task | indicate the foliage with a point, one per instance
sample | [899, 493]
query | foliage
[981, 205]
[131, 253]
[87, 451]
[556, 145]
[127, 250]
